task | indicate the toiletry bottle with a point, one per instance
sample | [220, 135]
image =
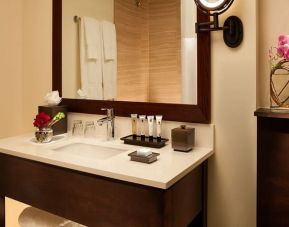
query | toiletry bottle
[151, 126]
[142, 126]
[134, 125]
[159, 126]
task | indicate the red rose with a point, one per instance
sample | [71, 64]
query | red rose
[41, 120]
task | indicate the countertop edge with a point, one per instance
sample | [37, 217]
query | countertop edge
[272, 113]
[189, 169]
[110, 175]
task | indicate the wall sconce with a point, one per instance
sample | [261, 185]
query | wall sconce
[233, 26]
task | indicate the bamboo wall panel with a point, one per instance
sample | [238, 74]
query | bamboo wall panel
[133, 50]
[164, 54]
[149, 44]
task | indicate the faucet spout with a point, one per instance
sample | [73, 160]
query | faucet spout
[103, 120]
[109, 120]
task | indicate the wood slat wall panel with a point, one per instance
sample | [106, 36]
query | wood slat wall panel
[165, 46]
[133, 50]
[149, 44]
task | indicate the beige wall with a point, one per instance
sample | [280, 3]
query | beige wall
[11, 39]
[25, 68]
[273, 20]
[232, 172]
[37, 56]
[11, 81]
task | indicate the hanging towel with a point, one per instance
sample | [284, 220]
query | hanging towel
[109, 40]
[109, 61]
[91, 60]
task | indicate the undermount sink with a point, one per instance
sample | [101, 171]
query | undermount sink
[89, 150]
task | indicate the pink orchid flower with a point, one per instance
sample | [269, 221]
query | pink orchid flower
[283, 51]
[280, 54]
[283, 40]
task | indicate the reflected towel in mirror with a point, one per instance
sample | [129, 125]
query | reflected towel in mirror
[91, 69]
[109, 60]
[109, 40]
[92, 37]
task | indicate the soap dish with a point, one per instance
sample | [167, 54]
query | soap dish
[148, 159]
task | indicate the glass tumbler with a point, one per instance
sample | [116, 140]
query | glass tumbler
[77, 128]
[89, 130]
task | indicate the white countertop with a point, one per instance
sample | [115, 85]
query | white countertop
[170, 167]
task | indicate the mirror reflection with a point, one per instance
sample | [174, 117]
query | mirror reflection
[130, 50]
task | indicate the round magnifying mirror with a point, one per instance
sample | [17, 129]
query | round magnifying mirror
[213, 5]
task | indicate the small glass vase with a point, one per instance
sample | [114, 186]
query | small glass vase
[44, 135]
[279, 85]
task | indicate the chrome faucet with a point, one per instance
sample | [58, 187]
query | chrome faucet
[109, 120]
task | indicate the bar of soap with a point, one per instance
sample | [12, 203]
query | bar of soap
[144, 152]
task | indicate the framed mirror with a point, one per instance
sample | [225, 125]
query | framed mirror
[154, 73]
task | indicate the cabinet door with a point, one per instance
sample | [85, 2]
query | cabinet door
[273, 172]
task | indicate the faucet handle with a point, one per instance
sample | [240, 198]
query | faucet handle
[110, 112]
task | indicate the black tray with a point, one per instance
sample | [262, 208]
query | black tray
[144, 142]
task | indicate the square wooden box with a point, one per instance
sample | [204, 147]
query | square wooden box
[183, 139]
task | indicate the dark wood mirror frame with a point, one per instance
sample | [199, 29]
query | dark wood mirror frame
[200, 113]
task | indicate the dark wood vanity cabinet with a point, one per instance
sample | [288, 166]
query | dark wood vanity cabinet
[102, 202]
[272, 168]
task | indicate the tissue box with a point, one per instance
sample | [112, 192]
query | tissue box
[183, 139]
[61, 126]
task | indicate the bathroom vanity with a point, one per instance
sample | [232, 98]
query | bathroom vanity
[107, 192]
[104, 190]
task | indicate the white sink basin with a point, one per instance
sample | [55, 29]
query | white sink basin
[90, 151]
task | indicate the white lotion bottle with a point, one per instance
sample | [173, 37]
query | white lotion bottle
[142, 126]
[151, 126]
[134, 125]
[159, 126]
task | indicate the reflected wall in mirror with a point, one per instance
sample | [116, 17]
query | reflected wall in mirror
[153, 57]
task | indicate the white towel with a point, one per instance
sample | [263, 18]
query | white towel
[109, 61]
[109, 80]
[32, 217]
[91, 69]
[109, 40]
[92, 34]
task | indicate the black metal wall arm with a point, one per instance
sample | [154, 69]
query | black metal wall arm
[209, 26]
[232, 30]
